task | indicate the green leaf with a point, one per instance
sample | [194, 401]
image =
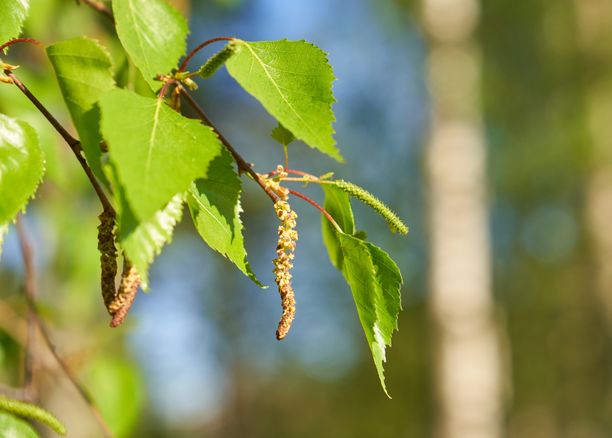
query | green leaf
[153, 33]
[28, 410]
[214, 203]
[143, 240]
[293, 81]
[157, 152]
[84, 71]
[12, 15]
[372, 275]
[282, 135]
[21, 166]
[338, 205]
[118, 390]
[11, 426]
[375, 282]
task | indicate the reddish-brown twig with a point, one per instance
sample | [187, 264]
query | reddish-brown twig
[243, 166]
[318, 207]
[20, 40]
[191, 54]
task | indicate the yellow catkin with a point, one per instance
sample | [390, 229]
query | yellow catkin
[124, 298]
[287, 237]
[108, 256]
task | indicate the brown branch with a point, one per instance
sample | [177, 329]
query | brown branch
[318, 207]
[191, 54]
[99, 7]
[73, 143]
[28, 261]
[243, 166]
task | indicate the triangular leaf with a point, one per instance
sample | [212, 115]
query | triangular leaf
[157, 152]
[375, 283]
[83, 70]
[21, 166]
[214, 203]
[293, 81]
[12, 15]
[143, 240]
[372, 275]
[153, 33]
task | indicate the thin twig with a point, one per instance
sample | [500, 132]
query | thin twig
[73, 143]
[191, 54]
[318, 207]
[28, 261]
[99, 7]
[20, 40]
[243, 166]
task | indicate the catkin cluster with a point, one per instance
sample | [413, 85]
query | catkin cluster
[117, 300]
[122, 302]
[287, 238]
[274, 183]
[108, 255]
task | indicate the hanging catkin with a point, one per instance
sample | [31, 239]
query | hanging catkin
[287, 237]
[122, 302]
[108, 256]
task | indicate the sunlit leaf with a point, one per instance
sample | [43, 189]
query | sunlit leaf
[214, 203]
[21, 166]
[118, 389]
[153, 33]
[143, 240]
[12, 15]
[293, 81]
[83, 70]
[11, 426]
[156, 152]
[374, 278]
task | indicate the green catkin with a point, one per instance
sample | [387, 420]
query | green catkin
[394, 222]
[27, 410]
[124, 298]
[217, 60]
[108, 256]
[287, 237]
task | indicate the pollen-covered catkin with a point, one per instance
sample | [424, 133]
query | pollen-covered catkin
[108, 256]
[122, 302]
[287, 238]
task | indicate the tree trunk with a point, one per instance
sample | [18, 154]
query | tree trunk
[468, 364]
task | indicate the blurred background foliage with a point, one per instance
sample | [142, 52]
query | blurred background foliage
[198, 357]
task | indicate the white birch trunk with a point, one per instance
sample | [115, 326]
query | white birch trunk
[468, 359]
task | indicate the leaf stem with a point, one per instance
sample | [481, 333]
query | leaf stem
[73, 143]
[191, 54]
[20, 40]
[318, 207]
[243, 166]
[30, 273]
